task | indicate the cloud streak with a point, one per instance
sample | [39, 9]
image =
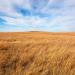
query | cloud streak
[44, 15]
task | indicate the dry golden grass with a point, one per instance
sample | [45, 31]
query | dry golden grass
[37, 53]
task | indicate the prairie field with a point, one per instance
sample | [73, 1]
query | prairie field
[37, 53]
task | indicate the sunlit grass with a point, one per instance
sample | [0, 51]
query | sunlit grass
[37, 53]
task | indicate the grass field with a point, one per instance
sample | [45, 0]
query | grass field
[37, 53]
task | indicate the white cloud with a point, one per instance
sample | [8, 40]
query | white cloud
[62, 14]
[26, 21]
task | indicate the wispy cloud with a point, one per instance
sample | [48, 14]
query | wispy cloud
[44, 15]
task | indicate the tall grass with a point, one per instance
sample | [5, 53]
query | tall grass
[37, 53]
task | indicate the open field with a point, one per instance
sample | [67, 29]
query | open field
[37, 53]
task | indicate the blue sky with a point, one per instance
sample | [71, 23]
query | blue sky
[37, 15]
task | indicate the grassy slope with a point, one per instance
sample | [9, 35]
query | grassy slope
[37, 53]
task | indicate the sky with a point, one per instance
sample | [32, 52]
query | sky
[37, 15]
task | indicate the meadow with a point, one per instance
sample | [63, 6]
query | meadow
[37, 53]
